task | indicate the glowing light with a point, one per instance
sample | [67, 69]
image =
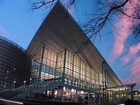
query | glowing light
[14, 68]
[64, 88]
[72, 90]
[116, 89]
[48, 92]
[122, 88]
[67, 94]
[24, 82]
[55, 93]
[10, 101]
[14, 82]
[82, 92]
[30, 79]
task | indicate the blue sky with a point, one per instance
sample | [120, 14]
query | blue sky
[19, 24]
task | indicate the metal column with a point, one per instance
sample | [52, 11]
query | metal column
[103, 83]
[63, 76]
[41, 63]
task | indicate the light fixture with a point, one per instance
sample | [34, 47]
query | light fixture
[72, 90]
[11, 101]
[82, 92]
[7, 72]
[64, 88]
[30, 79]
[14, 82]
[24, 82]
[55, 93]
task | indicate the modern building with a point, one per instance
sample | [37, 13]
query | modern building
[12, 64]
[136, 94]
[65, 65]
[61, 51]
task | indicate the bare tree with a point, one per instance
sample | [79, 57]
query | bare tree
[106, 9]
[37, 4]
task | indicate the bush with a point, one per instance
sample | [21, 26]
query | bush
[130, 102]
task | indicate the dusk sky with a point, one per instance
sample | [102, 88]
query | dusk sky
[119, 47]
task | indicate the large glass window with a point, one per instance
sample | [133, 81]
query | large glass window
[76, 70]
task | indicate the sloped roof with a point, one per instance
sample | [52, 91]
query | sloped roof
[60, 30]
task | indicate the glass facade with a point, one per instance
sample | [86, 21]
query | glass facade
[56, 71]
[74, 71]
[48, 64]
[120, 94]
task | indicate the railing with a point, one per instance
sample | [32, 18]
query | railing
[39, 85]
[69, 80]
[83, 85]
[38, 88]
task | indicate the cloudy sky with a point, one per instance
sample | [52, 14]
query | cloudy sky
[119, 47]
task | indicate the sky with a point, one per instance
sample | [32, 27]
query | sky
[120, 49]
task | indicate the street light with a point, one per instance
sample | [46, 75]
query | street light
[30, 80]
[13, 86]
[24, 82]
[5, 84]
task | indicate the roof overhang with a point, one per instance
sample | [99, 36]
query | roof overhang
[60, 30]
[123, 86]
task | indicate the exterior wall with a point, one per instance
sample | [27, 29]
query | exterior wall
[12, 64]
[136, 94]
[120, 94]
[76, 71]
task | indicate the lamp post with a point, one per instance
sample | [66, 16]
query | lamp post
[5, 84]
[14, 84]
[30, 81]
[24, 83]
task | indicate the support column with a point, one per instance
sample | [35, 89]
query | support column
[55, 74]
[103, 82]
[132, 93]
[76, 97]
[88, 99]
[53, 94]
[41, 63]
[63, 76]
[73, 66]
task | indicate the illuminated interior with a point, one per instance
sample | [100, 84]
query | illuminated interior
[74, 69]
[57, 56]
